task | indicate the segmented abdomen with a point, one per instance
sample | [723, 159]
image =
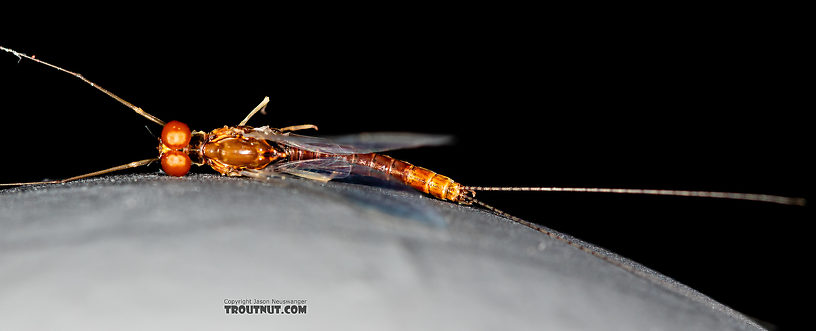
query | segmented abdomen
[419, 178]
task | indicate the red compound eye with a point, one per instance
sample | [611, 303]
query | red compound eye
[175, 135]
[176, 163]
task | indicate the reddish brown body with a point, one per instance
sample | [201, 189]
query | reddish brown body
[229, 151]
[419, 178]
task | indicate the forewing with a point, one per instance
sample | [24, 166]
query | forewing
[327, 169]
[361, 143]
[308, 143]
[324, 169]
[372, 142]
[331, 168]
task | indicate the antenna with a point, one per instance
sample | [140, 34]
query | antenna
[133, 164]
[110, 94]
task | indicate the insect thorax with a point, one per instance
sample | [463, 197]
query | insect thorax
[228, 151]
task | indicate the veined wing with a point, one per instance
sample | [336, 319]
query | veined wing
[326, 169]
[372, 142]
[360, 143]
[323, 169]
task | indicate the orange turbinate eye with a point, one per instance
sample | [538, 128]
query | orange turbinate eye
[175, 135]
[176, 163]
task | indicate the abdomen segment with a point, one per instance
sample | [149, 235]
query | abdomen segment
[419, 178]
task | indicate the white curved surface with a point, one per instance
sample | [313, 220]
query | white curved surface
[141, 252]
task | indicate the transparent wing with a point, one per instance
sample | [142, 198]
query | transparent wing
[371, 142]
[353, 144]
[331, 168]
[324, 169]
[307, 143]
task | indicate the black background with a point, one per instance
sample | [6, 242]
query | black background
[696, 101]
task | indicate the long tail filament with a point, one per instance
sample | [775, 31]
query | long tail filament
[703, 194]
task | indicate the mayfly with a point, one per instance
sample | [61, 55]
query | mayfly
[264, 152]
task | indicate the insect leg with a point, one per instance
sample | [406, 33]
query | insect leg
[95, 173]
[298, 127]
[260, 107]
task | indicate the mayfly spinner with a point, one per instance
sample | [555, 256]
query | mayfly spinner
[264, 152]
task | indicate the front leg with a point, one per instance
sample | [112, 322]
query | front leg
[298, 127]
